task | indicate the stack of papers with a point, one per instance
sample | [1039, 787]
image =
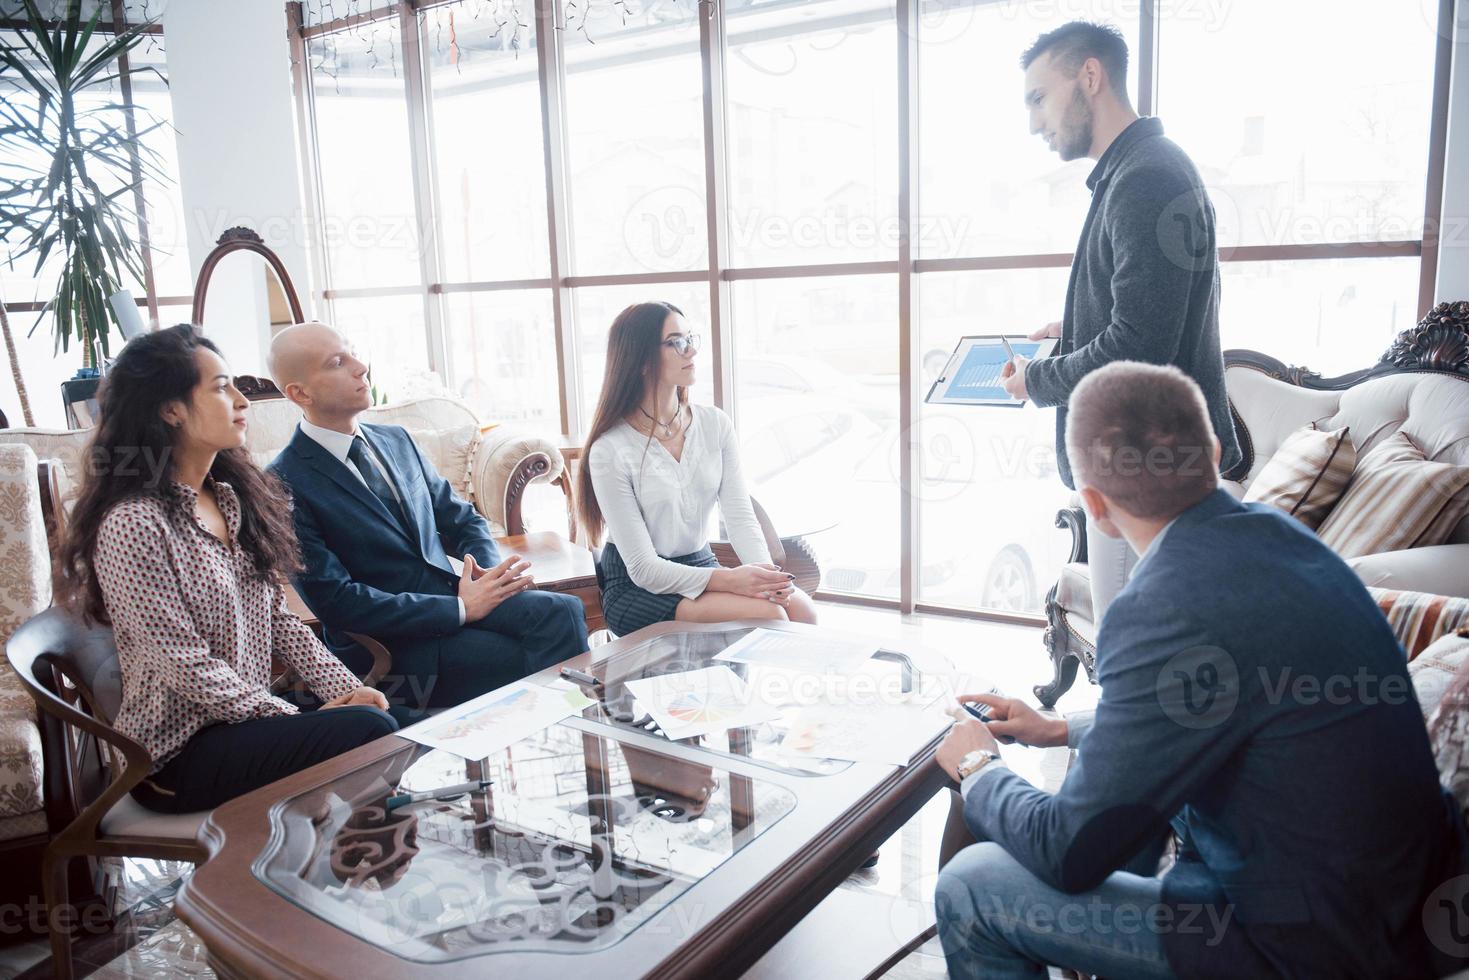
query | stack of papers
[798, 651]
[478, 729]
[888, 733]
[700, 702]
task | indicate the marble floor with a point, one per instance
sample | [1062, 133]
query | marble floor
[983, 654]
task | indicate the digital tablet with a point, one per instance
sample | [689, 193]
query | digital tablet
[972, 376]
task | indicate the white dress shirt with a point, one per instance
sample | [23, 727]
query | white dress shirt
[658, 507]
[339, 444]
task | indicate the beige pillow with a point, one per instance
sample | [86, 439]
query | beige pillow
[1307, 475]
[1398, 498]
[452, 453]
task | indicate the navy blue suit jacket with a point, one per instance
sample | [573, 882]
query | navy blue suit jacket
[365, 571]
[1251, 686]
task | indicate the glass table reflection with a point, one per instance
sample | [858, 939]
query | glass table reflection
[579, 839]
[588, 829]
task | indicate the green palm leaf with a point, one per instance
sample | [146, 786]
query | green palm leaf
[72, 186]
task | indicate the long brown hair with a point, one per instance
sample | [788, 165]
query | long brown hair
[634, 358]
[130, 456]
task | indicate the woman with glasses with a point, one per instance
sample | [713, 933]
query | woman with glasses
[655, 465]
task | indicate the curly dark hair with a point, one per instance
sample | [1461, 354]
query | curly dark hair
[152, 370]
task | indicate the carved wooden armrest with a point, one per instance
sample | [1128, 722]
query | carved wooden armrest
[1073, 519]
[382, 658]
[382, 662]
[506, 462]
[794, 554]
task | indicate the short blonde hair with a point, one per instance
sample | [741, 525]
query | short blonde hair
[1140, 434]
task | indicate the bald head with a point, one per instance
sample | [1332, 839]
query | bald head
[316, 367]
[297, 349]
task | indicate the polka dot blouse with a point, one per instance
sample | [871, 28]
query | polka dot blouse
[195, 628]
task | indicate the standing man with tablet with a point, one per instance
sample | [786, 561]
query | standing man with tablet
[1145, 279]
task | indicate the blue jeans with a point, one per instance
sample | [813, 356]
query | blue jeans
[998, 921]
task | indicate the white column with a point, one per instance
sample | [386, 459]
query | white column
[229, 76]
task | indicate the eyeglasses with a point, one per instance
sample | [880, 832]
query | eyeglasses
[683, 344]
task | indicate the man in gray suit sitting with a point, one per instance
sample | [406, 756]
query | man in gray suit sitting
[1254, 697]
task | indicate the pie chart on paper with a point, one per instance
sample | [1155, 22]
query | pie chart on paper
[699, 702]
[707, 709]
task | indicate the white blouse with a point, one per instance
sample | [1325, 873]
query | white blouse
[658, 507]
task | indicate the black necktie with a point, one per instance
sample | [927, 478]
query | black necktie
[374, 479]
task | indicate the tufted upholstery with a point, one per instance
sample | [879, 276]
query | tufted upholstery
[477, 464]
[1431, 408]
[25, 590]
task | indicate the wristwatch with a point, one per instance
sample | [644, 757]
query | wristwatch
[974, 762]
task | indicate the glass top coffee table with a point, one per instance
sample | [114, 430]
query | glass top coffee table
[599, 845]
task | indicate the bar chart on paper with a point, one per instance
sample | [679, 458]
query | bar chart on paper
[979, 375]
[975, 372]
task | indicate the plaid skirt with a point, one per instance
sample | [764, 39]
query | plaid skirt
[629, 608]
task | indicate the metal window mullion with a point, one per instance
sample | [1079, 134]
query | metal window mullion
[135, 163]
[552, 74]
[1438, 137]
[410, 35]
[311, 198]
[1147, 58]
[909, 559]
[716, 203]
[435, 198]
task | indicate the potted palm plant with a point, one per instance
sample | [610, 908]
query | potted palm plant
[72, 164]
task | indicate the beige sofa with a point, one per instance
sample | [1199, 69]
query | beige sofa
[492, 469]
[25, 590]
[1421, 387]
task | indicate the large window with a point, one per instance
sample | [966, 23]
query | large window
[812, 122]
[25, 291]
[554, 162]
[635, 138]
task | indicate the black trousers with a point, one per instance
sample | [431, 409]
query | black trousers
[223, 761]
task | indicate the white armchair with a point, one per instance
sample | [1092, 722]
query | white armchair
[1420, 386]
[491, 469]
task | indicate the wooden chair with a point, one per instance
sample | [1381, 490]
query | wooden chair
[72, 672]
[795, 554]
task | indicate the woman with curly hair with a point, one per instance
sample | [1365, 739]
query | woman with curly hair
[186, 558]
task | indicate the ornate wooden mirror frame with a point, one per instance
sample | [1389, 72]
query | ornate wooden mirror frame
[237, 239]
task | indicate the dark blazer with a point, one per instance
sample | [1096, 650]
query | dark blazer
[1251, 686]
[349, 539]
[1144, 283]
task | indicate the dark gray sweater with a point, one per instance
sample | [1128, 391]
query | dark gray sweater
[1144, 283]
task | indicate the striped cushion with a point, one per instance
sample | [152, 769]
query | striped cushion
[1418, 619]
[1397, 499]
[1307, 475]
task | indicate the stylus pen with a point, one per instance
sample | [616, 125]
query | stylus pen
[445, 793]
[1008, 349]
[580, 677]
